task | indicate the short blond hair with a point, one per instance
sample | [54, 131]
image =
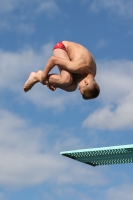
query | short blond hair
[91, 91]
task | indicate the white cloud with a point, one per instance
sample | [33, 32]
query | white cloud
[120, 118]
[17, 65]
[119, 7]
[46, 98]
[9, 6]
[25, 160]
[49, 7]
[120, 193]
[26, 28]
[115, 80]
[2, 196]
[19, 14]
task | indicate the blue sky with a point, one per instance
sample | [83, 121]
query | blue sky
[38, 125]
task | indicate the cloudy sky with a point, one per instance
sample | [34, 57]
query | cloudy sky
[36, 126]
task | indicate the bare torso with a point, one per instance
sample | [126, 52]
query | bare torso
[78, 53]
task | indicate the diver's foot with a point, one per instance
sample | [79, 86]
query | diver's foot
[30, 82]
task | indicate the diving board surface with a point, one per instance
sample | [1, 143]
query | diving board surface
[102, 156]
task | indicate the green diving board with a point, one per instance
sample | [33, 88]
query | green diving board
[102, 156]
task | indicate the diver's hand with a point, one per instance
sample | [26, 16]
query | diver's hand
[43, 78]
[51, 86]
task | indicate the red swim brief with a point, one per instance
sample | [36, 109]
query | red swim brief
[60, 45]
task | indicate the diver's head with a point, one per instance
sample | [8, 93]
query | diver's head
[88, 87]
